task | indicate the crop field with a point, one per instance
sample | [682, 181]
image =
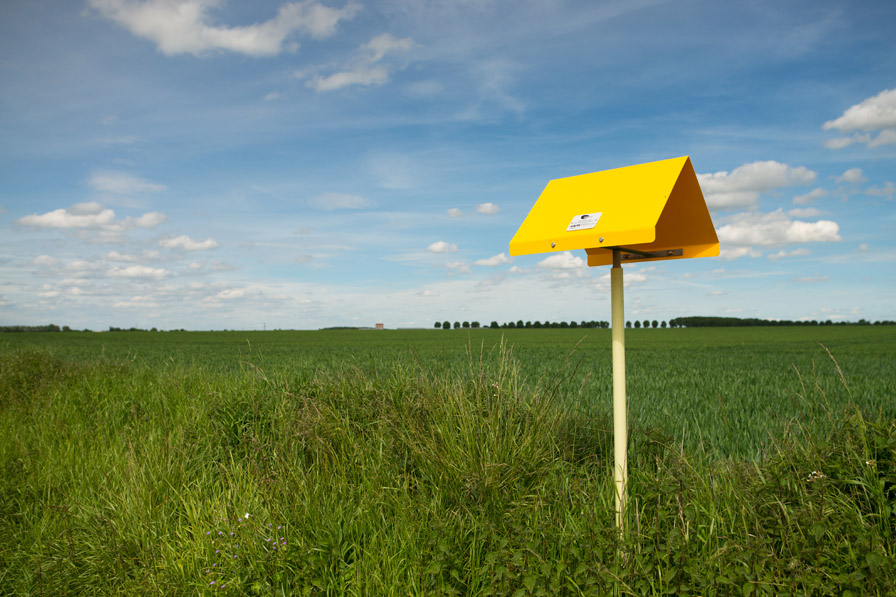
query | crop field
[434, 462]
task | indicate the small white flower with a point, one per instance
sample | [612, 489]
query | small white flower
[246, 516]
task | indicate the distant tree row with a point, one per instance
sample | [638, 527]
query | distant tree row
[704, 322]
[646, 324]
[678, 322]
[35, 328]
[447, 325]
[52, 327]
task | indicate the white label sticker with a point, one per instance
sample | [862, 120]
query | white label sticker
[584, 221]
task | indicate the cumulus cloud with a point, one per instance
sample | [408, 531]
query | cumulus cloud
[488, 209]
[81, 267]
[137, 271]
[794, 253]
[138, 302]
[44, 261]
[562, 261]
[498, 259]
[147, 220]
[121, 183]
[876, 113]
[231, 294]
[742, 186]
[372, 64]
[89, 216]
[458, 266]
[187, 26]
[186, 243]
[441, 246]
[729, 253]
[331, 201]
[852, 176]
[888, 190]
[454, 212]
[810, 196]
[80, 215]
[775, 228]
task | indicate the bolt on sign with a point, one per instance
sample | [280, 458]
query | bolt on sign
[646, 212]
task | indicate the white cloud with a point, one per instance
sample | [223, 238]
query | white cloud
[775, 228]
[729, 253]
[427, 293]
[331, 201]
[80, 215]
[801, 252]
[458, 266]
[44, 260]
[137, 271]
[369, 67]
[231, 294]
[488, 209]
[90, 215]
[455, 213]
[885, 137]
[441, 246]
[138, 302]
[876, 113]
[121, 183]
[811, 279]
[853, 175]
[562, 261]
[147, 220]
[810, 196]
[742, 186]
[81, 267]
[187, 244]
[888, 190]
[498, 259]
[116, 256]
[186, 26]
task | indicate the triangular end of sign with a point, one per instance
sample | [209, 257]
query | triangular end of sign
[683, 230]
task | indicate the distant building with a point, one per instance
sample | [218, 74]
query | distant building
[380, 326]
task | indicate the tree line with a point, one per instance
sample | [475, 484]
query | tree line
[678, 322]
[704, 322]
[447, 325]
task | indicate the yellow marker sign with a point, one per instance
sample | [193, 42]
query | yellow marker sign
[656, 210]
[646, 212]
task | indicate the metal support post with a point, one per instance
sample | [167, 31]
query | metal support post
[620, 413]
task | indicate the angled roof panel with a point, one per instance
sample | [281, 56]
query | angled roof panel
[656, 209]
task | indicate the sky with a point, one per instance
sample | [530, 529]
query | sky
[221, 164]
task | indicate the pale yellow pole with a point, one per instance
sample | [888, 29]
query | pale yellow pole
[620, 413]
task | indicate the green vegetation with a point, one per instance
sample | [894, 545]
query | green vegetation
[430, 463]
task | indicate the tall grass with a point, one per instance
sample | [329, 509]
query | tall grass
[418, 479]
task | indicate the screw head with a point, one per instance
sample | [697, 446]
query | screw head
[601, 239]
[553, 245]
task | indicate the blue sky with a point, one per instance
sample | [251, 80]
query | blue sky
[212, 164]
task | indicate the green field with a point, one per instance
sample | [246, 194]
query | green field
[447, 462]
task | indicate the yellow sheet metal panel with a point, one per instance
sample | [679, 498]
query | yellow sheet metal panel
[684, 224]
[650, 207]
